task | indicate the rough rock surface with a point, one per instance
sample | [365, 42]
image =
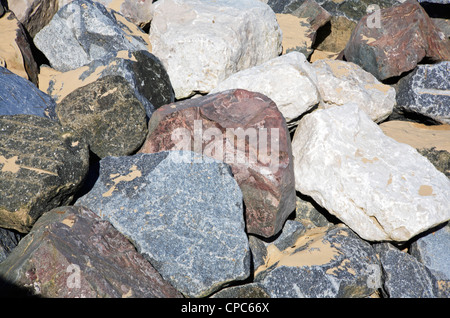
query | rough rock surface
[426, 91]
[382, 189]
[319, 263]
[72, 253]
[200, 47]
[184, 213]
[20, 96]
[107, 115]
[405, 35]
[341, 82]
[284, 79]
[15, 49]
[431, 250]
[244, 129]
[143, 71]
[42, 166]
[83, 31]
[403, 275]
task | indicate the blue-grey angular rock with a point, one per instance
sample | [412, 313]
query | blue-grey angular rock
[433, 250]
[323, 262]
[184, 213]
[19, 96]
[426, 91]
[403, 275]
[83, 31]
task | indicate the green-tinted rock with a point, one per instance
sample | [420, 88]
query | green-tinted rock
[42, 165]
[107, 114]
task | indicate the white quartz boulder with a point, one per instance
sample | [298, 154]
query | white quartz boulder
[203, 42]
[382, 189]
[340, 82]
[284, 79]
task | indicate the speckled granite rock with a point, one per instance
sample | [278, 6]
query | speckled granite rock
[184, 213]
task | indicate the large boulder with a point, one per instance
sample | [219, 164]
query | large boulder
[244, 129]
[184, 213]
[405, 35]
[382, 189]
[202, 43]
[284, 79]
[83, 31]
[42, 166]
[107, 115]
[72, 253]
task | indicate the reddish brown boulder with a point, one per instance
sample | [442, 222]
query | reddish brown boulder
[247, 131]
[402, 37]
[71, 252]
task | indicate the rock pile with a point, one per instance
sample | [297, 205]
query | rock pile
[257, 148]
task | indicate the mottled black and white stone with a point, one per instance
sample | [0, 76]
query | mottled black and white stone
[426, 91]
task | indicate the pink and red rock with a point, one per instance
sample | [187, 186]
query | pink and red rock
[395, 44]
[228, 126]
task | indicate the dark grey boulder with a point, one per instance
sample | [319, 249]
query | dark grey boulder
[19, 96]
[107, 115]
[42, 165]
[184, 213]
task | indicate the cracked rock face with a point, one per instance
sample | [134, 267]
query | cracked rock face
[183, 212]
[382, 189]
